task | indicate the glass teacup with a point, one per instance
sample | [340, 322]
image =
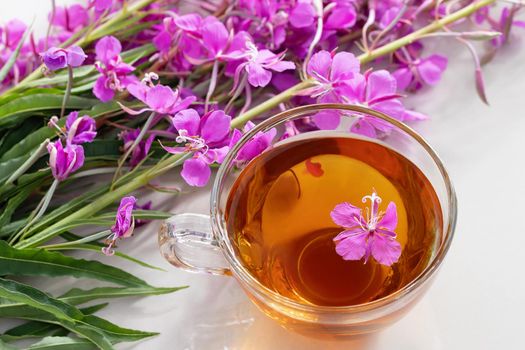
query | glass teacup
[201, 243]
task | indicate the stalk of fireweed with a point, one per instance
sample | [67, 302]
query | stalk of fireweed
[145, 176]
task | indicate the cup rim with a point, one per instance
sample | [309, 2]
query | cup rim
[236, 265]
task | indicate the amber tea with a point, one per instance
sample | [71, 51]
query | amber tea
[278, 214]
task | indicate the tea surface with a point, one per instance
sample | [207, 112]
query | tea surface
[279, 215]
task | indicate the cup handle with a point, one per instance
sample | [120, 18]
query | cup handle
[187, 242]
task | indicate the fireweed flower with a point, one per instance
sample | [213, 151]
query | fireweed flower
[425, 71]
[373, 235]
[159, 98]
[57, 58]
[70, 18]
[260, 65]
[124, 224]
[101, 5]
[64, 161]
[141, 150]
[80, 129]
[258, 144]
[115, 74]
[206, 137]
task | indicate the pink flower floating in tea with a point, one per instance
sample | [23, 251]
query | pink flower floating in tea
[373, 235]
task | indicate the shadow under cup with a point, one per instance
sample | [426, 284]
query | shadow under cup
[199, 243]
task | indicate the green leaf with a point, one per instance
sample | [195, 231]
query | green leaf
[97, 248]
[12, 204]
[38, 262]
[137, 53]
[22, 293]
[15, 110]
[5, 346]
[12, 59]
[116, 333]
[54, 311]
[103, 148]
[14, 135]
[62, 77]
[62, 343]
[80, 296]
[8, 167]
[34, 329]
[25, 145]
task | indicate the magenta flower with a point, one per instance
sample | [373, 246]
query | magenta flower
[124, 223]
[12, 33]
[334, 74]
[373, 235]
[101, 5]
[423, 71]
[141, 150]
[255, 146]
[302, 15]
[80, 130]
[206, 137]
[260, 65]
[64, 161]
[70, 18]
[159, 98]
[115, 74]
[56, 58]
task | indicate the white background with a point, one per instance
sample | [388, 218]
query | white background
[477, 301]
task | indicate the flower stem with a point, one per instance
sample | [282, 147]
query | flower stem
[38, 212]
[103, 201]
[68, 90]
[87, 239]
[134, 145]
[29, 162]
[364, 58]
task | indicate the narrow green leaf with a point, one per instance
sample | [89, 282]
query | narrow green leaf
[97, 248]
[25, 145]
[12, 59]
[137, 53]
[38, 262]
[116, 333]
[15, 110]
[62, 77]
[5, 346]
[33, 297]
[8, 167]
[38, 329]
[79, 296]
[13, 204]
[14, 135]
[141, 214]
[62, 343]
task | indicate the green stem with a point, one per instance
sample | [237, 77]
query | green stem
[29, 162]
[364, 58]
[39, 211]
[90, 238]
[68, 90]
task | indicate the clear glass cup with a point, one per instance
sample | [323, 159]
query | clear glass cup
[201, 243]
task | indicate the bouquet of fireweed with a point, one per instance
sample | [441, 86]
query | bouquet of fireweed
[118, 92]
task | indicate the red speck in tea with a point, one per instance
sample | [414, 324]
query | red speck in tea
[315, 169]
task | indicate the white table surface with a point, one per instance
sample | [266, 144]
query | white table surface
[478, 300]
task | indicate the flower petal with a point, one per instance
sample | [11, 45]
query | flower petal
[380, 83]
[351, 244]
[215, 126]
[102, 91]
[319, 65]
[344, 66]
[385, 250]
[389, 220]
[257, 75]
[188, 120]
[107, 48]
[75, 56]
[403, 77]
[214, 35]
[346, 215]
[196, 172]
[327, 120]
[302, 15]
[431, 69]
